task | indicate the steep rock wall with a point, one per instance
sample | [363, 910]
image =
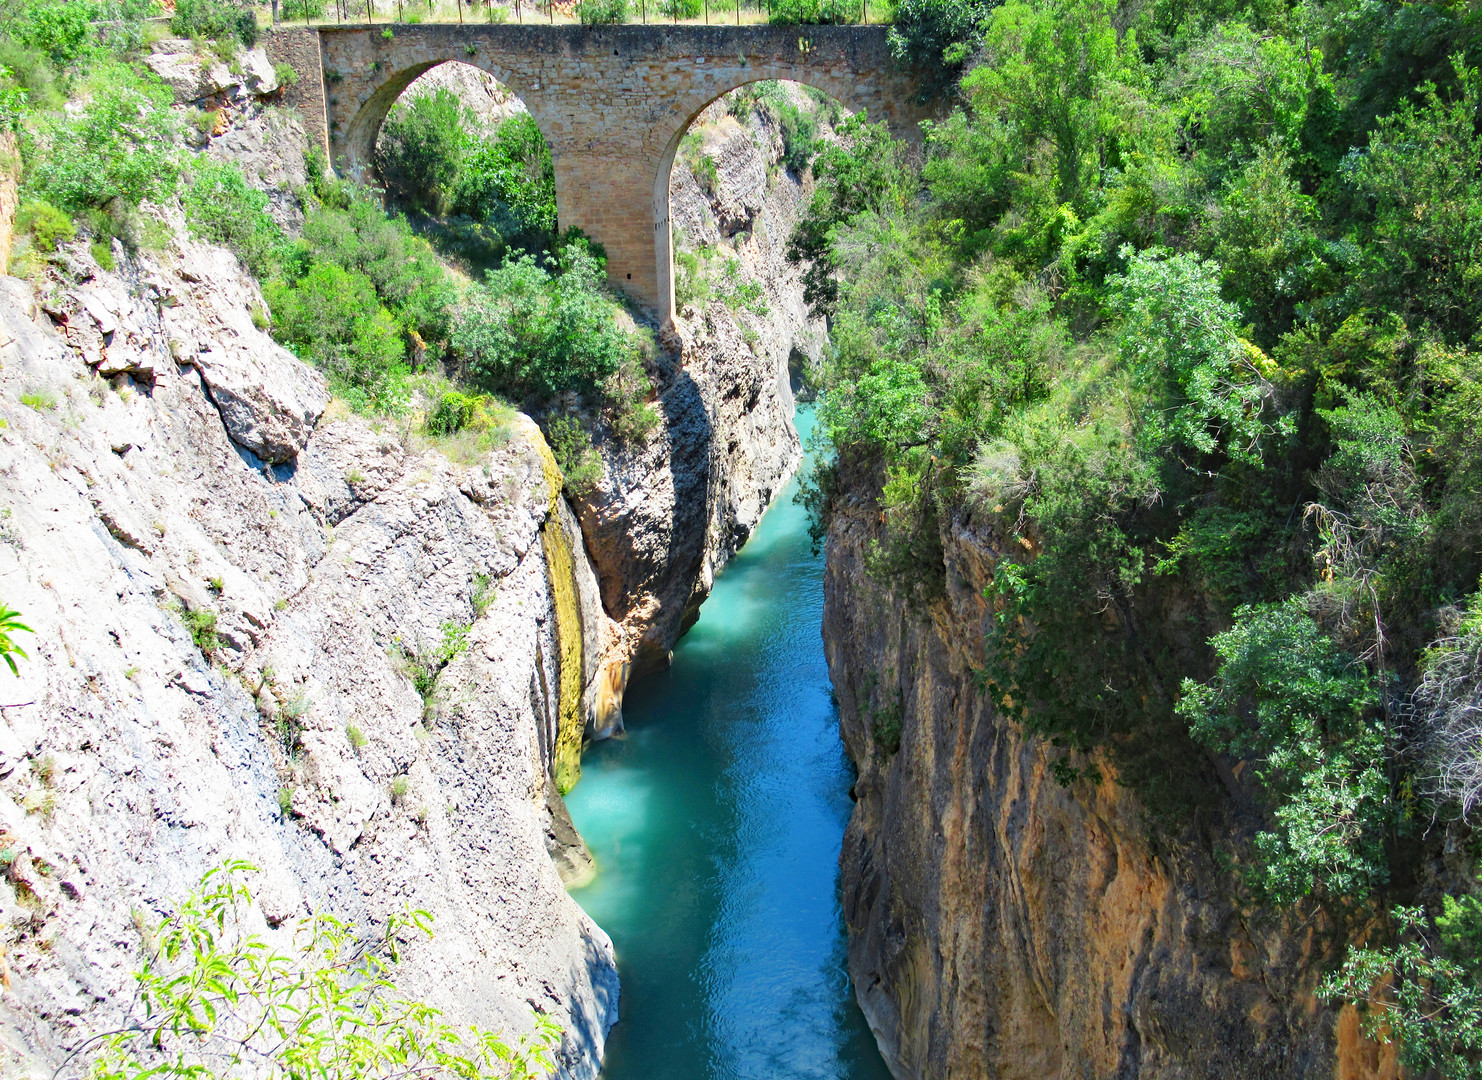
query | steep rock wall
[161, 455]
[1001, 925]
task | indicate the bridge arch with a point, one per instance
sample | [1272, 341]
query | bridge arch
[612, 102]
[664, 234]
[364, 128]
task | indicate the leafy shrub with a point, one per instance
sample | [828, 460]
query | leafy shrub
[737, 294]
[799, 137]
[299, 10]
[453, 412]
[1423, 993]
[47, 225]
[221, 207]
[420, 151]
[423, 665]
[887, 725]
[12, 100]
[936, 36]
[202, 626]
[680, 9]
[526, 332]
[595, 12]
[1308, 714]
[581, 465]
[1179, 335]
[60, 29]
[508, 181]
[691, 278]
[215, 19]
[119, 146]
[212, 996]
[706, 174]
[814, 12]
[10, 623]
[360, 236]
[334, 318]
[478, 413]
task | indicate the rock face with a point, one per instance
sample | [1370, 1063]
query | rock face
[229, 591]
[1001, 925]
[490, 101]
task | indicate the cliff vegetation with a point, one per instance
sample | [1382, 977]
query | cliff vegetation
[1179, 303]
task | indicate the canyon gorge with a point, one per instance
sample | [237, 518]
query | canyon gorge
[266, 626]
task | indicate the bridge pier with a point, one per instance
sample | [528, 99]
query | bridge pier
[611, 101]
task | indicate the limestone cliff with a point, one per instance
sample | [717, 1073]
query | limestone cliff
[1001, 925]
[237, 588]
[229, 588]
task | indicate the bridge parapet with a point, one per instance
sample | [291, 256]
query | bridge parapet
[612, 101]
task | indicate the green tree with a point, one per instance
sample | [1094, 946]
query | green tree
[222, 208]
[420, 152]
[218, 19]
[509, 181]
[1048, 68]
[862, 172]
[119, 145]
[1307, 713]
[1424, 993]
[214, 997]
[334, 318]
[62, 29]
[527, 332]
[1267, 243]
[1420, 243]
[1180, 336]
[935, 37]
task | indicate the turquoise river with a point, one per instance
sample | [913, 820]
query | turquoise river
[716, 824]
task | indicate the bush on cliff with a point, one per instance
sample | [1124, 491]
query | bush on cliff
[816, 12]
[529, 333]
[215, 19]
[599, 12]
[437, 160]
[1178, 306]
[333, 317]
[114, 151]
[213, 997]
[419, 154]
[221, 208]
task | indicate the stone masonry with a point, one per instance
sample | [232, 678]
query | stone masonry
[612, 101]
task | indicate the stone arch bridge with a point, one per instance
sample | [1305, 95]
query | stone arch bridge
[612, 101]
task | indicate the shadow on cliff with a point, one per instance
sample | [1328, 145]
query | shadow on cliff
[691, 465]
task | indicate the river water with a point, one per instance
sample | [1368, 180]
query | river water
[716, 823]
